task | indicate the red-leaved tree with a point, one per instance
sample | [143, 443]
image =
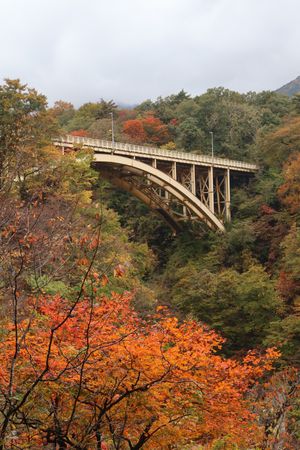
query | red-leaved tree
[150, 130]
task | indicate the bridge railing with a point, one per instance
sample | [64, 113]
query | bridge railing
[155, 152]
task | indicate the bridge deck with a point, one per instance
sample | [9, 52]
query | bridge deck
[131, 151]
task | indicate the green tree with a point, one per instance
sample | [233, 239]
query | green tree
[25, 125]
[286, 332]
[239, 305]
[63, 112]
[273, 107]
[190, 135]
[233, 121]
[296, 103]
[90, 112]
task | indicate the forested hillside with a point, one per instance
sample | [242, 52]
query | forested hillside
[114, 333]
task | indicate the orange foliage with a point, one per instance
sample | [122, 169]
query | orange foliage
[80, 133]
[286, 286]
[280, 143]
[147, 130]
[93, 372]
[156, 131]
[134, 128]
[289, 192]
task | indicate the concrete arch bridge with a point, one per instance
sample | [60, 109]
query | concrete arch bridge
[179, 186]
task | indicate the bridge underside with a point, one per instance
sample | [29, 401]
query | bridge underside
[177, 185]
[158, 190]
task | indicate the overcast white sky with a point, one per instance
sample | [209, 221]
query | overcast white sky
[131, 50]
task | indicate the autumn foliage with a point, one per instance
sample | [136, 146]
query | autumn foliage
[80, 133]
[289, 191]
[281, 142]
[93, 371]
[87, 359]
[149, 130]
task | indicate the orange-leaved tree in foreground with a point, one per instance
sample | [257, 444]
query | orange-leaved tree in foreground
[91, 374]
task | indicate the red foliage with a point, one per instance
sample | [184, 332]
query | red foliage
[80, 133]
[134, 128]
[126, 114]
[266, 209]
[286, 286]
[147, 130]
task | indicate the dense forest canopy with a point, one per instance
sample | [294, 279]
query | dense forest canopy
[117, 335]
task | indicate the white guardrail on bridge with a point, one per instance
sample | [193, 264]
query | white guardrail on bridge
[154, 152]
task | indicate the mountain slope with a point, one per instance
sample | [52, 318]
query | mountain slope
[291, 88]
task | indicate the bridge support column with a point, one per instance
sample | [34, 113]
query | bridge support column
[193, 179]
[174, 170]
[211, 201]
[227, 196]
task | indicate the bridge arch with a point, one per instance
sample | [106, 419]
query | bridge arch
[148, 183]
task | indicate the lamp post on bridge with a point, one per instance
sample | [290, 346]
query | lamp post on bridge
[212, 145]
[112, 132]
[112, 128]
[211, 195]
